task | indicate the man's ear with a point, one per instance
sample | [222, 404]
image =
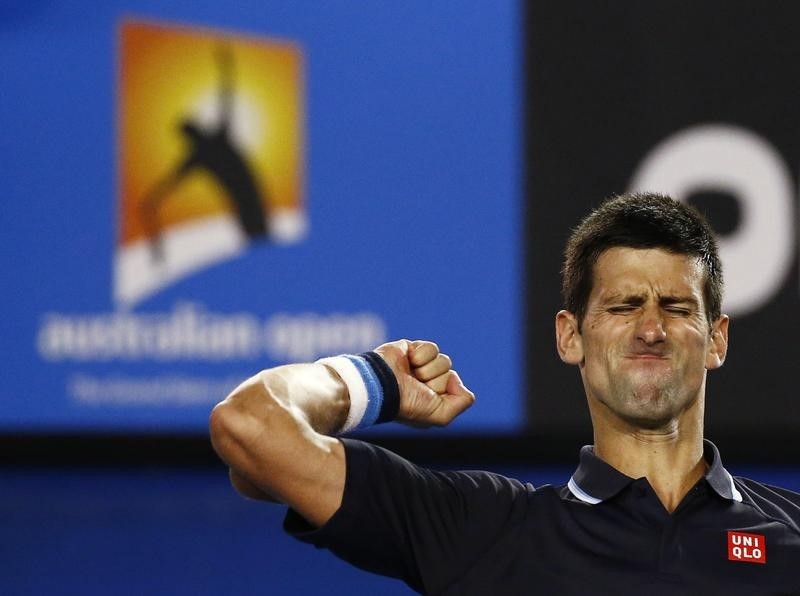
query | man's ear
[718, 347]
[568, 338]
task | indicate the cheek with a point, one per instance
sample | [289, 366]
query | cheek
[609, 342]
[695, 351]
[698, 340]
[599, 357]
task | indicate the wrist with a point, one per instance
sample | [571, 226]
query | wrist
[372, 388]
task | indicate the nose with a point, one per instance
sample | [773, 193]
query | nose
[651, 327]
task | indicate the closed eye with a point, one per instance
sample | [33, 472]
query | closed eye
[622, 309]
[678, 310]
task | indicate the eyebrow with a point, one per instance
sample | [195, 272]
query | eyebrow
[638, 299]
[691, 300]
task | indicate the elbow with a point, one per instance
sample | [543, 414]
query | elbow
[230, 420]
[236, 422]
[225, 426]
[219, 423]
[222, 425]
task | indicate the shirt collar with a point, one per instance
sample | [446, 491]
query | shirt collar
[717, 476]
[596, 481]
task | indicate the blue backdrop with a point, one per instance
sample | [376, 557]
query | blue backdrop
[411, 177]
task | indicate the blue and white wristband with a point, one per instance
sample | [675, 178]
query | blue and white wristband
[374, 394]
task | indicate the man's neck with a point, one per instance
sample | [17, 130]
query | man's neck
[671, 458]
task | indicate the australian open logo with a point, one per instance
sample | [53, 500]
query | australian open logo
[210, 164]
[210, 152]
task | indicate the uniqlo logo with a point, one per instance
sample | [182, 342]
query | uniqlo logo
[747, 548]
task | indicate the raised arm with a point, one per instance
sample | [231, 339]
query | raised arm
[225, 64]
[274, 429]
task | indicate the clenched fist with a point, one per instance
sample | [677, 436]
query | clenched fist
[431, 392]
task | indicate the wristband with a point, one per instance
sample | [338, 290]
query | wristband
[374, 394]
[391, 392]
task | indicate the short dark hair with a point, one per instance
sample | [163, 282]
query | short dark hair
[639, 220]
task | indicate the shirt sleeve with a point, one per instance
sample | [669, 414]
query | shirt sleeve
[423, 526]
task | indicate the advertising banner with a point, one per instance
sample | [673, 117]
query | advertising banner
[193, 194]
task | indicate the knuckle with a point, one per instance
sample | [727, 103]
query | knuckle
[431, 346]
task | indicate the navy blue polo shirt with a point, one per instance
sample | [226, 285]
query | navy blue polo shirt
[474, 532]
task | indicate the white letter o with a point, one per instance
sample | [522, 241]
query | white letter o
[731, 159]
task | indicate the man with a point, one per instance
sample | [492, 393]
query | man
[650, 506]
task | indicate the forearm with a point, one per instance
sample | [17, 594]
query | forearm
[271, 432]
[311, 394]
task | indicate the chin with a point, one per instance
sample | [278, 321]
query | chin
[650, 422]
[649, 410]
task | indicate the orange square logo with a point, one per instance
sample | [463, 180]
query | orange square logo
[210, 151]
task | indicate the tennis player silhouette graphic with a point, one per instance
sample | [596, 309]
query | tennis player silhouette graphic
[212, 150]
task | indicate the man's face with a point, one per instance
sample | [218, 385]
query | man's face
[644, 344]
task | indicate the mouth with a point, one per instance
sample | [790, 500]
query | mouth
[646, 357]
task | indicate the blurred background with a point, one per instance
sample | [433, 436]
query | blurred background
[197, 190]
